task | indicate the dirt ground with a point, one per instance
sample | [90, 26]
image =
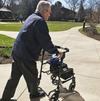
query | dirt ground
[6, 60]
[90, 34]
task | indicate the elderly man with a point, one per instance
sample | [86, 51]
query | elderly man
[33, 36]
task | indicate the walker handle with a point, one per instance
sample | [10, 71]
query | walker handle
[67, 50]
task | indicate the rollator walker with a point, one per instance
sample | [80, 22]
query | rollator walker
[60, 74]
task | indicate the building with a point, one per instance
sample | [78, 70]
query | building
[5, 13]
[62, 14]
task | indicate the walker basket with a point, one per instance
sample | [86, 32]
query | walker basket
[61, 70]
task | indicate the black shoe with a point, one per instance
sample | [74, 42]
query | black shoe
[8, 100]
[39, 94]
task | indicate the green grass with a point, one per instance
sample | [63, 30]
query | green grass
[10, 27]
[5, 52]
[52, 25]
[81, 30]
[61, 26]
[6, 43]
[98, 28]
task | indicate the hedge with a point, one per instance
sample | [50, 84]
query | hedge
[9, 20]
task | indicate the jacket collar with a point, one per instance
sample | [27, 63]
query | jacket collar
[39, 14]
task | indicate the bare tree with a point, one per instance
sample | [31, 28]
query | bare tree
[28, 7]
[98, 5]
[93, 15]
[1, 3]
[13, 5]
[93, 21]
[92, 4]
[8, 2]
[73, 4]
[4, 1]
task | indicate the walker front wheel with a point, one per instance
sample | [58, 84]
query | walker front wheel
[52, 97]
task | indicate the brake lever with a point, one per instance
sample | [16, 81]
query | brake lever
[62, 57]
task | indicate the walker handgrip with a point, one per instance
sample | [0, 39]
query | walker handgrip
[67, 50]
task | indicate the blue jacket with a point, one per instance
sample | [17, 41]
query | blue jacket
[33, 36]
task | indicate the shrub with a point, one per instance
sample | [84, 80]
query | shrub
[9, 20]
[5, 52]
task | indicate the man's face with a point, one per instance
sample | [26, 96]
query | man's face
[46, 13]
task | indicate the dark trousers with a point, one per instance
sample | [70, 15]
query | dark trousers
[21, 20]
[30, 73]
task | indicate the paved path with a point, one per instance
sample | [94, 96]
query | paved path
[83, 57]
[9, 23]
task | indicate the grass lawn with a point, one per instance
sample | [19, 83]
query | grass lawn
[61, 26]
[5, 45]
[10, 27]
[98, 28]
[52, 25]
[6, 41]
[5, 52]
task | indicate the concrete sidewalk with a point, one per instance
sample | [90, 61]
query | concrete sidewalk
[83, 57]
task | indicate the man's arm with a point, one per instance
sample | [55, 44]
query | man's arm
[43, 37]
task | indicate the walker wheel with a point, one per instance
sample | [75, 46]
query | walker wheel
[72, 86]
[54, 81]
[53, 77]
[52, 97]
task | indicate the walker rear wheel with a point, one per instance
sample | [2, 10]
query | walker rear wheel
[72, 86]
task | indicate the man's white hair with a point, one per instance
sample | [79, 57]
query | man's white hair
[43, 5]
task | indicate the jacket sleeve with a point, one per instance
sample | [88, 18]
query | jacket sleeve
[43, 37]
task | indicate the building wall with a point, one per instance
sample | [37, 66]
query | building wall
[5, 15]
[62, 14]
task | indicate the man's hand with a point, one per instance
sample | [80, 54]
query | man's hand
[60, 54]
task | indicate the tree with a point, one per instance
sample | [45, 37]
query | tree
[58, 4]
[93, 19]
[1, 3]
[34, 4]
[93, 15]
[12, 5]
[81, 12]
[72, 4]
[55, 9]
[92, 5]
[98, 5]
[28, 7]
